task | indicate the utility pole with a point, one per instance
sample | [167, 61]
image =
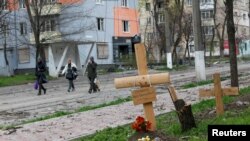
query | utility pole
[198, 43]
[168, 38]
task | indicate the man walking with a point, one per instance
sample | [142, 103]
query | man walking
[91, 69]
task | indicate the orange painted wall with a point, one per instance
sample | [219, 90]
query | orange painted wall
[128, 14]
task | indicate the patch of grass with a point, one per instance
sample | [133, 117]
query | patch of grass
[19, 79]
[245, 58]
[169, 123]
[120, 133]
[118, 101]
[201, 83]
[63, 113]
[175, 68]
[16, 80]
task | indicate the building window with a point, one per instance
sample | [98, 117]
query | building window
[207, 14]
[102, 51]
[4, 28]
[21, 3]
[23, 55]
[50, 1]
[208, 30]
[125, 3]
[23, 28]
[100, 24]
[48, 25]
[125, 26]
[160, 6]
[150, 36]
[148, 7]
[236, 14]
[244, 17]
[161, 18]
[98, 1]
[3, 6]
[191, 48]
[149, 21]
[189, 2]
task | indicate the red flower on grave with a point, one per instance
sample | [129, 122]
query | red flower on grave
[140, 120]
[141, 124]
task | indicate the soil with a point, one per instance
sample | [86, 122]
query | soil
[237, 106]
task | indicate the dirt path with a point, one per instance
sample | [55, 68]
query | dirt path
[20, 102]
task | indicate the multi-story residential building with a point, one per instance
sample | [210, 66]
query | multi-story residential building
[241, 21]
[241, 18]
[72, 29]
[151, 15]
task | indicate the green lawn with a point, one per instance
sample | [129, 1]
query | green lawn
[16, 80]
[19, 79]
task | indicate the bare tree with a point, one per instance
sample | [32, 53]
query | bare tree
[219, 25]
[160, 28]
[198, 40]
[4, 30]
[187, 30]
[177, 33]
[231, 39]
[173, 15]
[39, 12]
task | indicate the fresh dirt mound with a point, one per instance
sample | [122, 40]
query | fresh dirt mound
[240, 103]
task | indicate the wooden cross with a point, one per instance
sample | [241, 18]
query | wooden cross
[218, 92]
[146, 94]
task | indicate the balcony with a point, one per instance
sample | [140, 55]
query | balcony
[49, 9]
[47, 37]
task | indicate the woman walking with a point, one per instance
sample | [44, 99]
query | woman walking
[70, 69]
[41, 77]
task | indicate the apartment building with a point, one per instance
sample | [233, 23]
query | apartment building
[151, 15]
[241, 18]
[241, 21]
[72, 29]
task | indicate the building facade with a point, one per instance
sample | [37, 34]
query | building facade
[241, 20]
[150, 9]
[73, 29]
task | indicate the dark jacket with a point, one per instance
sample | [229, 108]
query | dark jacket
[40, 70]
[91, 69]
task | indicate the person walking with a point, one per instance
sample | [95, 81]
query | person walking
[70, 71]
[91, 69]
[41, 77]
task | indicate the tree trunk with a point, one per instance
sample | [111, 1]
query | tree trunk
[184, 111]
[185, 115]
[232, 47]
[5, 54]
[199, 46]
[168, 38]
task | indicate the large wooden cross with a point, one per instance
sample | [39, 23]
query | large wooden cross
[218, 92]
[146, 94]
